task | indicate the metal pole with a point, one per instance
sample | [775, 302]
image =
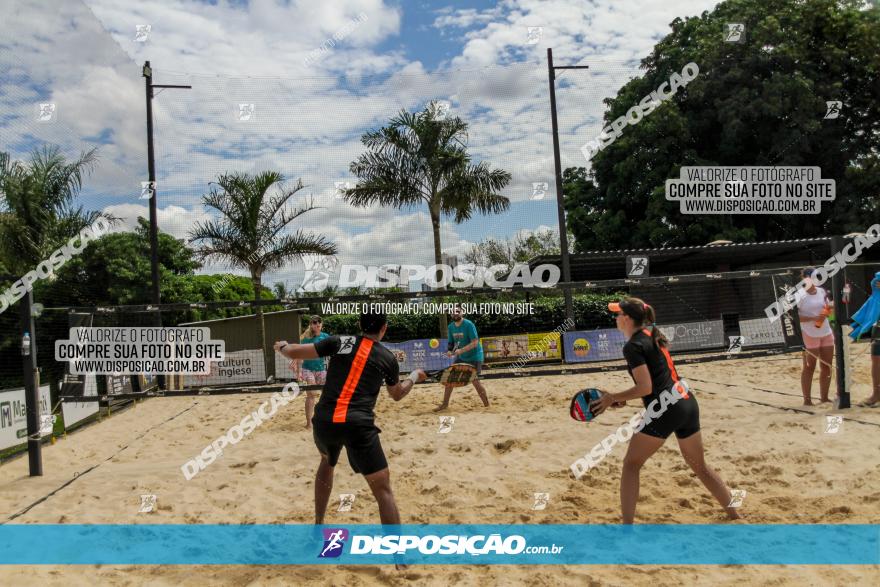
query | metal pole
[31, 386]
[837, 281]
[560, 209]
[154, 214]
[151, 170]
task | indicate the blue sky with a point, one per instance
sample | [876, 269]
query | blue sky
[311, 105]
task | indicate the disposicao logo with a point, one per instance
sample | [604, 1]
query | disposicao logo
[334, 540]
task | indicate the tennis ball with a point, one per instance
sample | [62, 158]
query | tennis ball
[434, 343]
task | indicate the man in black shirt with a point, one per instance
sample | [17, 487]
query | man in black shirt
[344, 415]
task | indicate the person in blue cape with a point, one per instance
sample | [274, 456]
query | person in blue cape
[868, 318]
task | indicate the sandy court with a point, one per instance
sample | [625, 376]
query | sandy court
[485, 470]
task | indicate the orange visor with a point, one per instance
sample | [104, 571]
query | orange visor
[614, 307]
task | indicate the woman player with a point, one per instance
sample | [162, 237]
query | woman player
[312, 371]
[651, 368]
[814, 307]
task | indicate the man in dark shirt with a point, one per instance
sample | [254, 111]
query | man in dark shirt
[344, 415]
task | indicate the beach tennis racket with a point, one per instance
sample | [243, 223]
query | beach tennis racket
[580, 404]
[456, 375]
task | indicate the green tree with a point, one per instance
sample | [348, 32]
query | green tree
[521, 249]
[38, 211]
[421, 158]
[115, 270]
[251, 232]
[758, 102]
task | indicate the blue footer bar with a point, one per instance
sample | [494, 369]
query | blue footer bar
[353, 544]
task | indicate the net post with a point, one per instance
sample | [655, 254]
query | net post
[837, 244]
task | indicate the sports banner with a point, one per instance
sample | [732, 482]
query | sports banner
[760, 332]
[689, 336]
[74, 412]
[583, 346]
[506, 348]
[13, 415]
[427, 354]
[545, 345]
[118, 384]
[236, 367]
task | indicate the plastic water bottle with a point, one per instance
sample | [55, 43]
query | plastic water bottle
[26, 344]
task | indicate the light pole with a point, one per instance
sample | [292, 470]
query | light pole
[560, 208]
[151, 170]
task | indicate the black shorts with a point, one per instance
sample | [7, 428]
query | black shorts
[683, 419]
[875, 343]
[361, 442]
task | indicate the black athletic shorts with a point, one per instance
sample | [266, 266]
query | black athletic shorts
[683, 418]
[875, 343]
[361, 442]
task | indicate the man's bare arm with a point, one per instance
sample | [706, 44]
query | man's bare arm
[399, 390]
[296, 351]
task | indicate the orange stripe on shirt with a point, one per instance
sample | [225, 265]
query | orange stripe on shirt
[357, 368]
[671, 366]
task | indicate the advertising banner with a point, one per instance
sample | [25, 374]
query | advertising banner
[425, 353]
[545, 345]
[689, 336]
[74, 412]
[237, 367]
[13, 416]
[117, 384]
[593, 345]
[507, 348]
[760, 331]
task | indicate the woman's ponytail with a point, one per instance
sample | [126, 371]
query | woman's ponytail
[657, 336]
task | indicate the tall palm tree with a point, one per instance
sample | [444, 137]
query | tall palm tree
[250, 233]
[37, 205]
[421, 158]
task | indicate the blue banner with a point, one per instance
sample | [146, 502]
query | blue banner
[427, 354]
[533, 544]
[592, 345]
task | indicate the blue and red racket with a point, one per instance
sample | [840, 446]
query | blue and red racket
[580, 404]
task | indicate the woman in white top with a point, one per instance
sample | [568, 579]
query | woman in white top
[814, 307]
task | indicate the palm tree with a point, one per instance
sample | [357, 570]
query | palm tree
[37, 210]
[248, 234]
[421, 158]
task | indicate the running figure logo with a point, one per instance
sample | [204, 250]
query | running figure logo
[734, 32]
[346, 500]
[736, 344]
[736, 498]
[533, 34]
[446, 423]
[47, 111]
[541, 501]
[832, 109]
[148, 190]
[334, 540]
[346, 345]
[833, 424]
[317, 276]
[636, 266]
[539, 189]
[245, 111]
[148, 503]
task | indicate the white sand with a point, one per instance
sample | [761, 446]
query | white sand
[485, 471]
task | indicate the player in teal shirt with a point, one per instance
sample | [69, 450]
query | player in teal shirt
[313, 371]
[463, 343]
